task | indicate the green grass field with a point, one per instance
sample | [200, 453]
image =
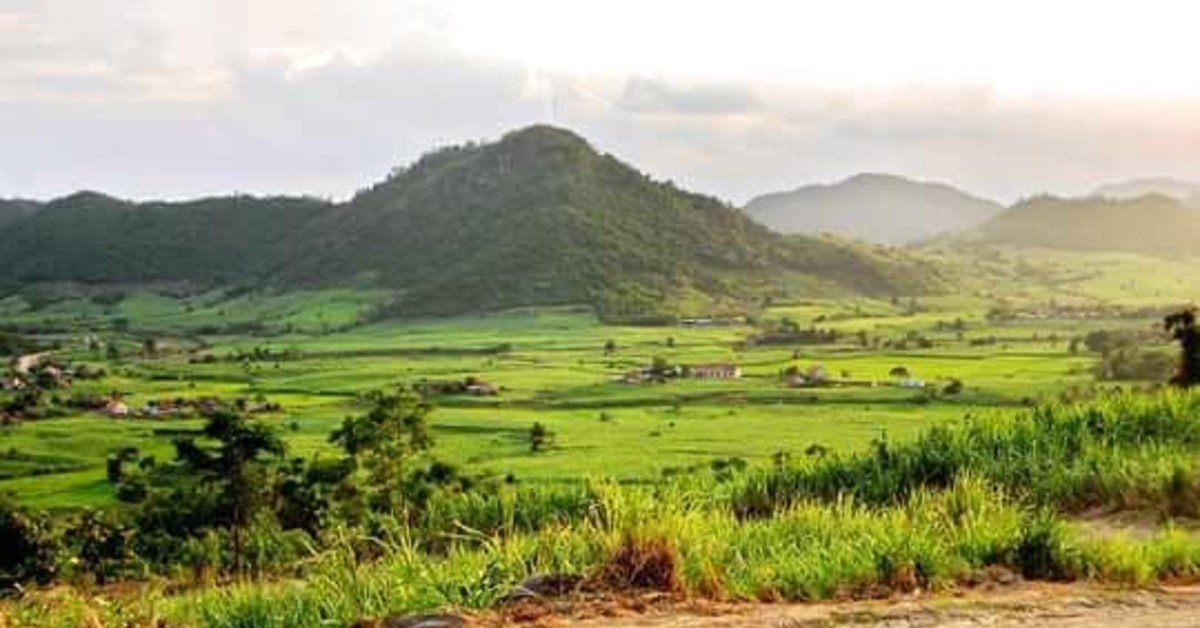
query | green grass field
[552, 367]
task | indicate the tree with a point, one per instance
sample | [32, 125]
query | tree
[610, 347]
[540, 437]
[102, 542]
[899, 371]
[28, 546]
[234, 469]
[116, 463]
[309, 492]
[384, 441]
[1182, 327]
[661, 370]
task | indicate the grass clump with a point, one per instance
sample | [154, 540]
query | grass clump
[1115, 451]
[646, 563]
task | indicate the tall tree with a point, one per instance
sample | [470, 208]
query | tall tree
[236, 468]
[1182, 326]
[384, 441]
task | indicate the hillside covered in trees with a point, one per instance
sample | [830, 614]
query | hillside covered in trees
[12, 210]
[874, 207]
[536, 218]
[1153, 225]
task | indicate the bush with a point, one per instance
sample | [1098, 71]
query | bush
[30, 547]
[1040, 553]
[1135, 365]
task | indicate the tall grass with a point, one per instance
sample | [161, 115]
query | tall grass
[1121, 450]
[926, 515]
[810, 550]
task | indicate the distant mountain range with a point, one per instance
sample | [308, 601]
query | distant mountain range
[536, 218]
[12, 210]
[878, 208]
[1186, 192]
[1156, 225]
[539, 217]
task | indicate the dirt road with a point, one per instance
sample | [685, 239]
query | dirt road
[1029, 605]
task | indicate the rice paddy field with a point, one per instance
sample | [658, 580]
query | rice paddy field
[315, 358]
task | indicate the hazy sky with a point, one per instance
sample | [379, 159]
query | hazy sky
[173, 98]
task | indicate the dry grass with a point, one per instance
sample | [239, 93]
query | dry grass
[650, 563]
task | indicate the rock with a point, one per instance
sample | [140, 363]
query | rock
[411, 621]
[540, 586]
[551, 585]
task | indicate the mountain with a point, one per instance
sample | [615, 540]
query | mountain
[1185, 191]
[94, 238]
[874, 207]
[536, 218]
[541, 217]
[1153, 225]
[14, 209]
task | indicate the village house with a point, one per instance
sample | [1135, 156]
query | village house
[483, 389]
[715, 371]
[814, 376]
[707, 321]
[50, 376]
[116, 408]
[631, 377]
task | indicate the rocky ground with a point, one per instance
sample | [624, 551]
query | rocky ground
[1071, 606]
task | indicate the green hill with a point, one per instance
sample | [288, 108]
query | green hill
[90, 237]
[536, 218]
[541, 217]
[12, 210]
[874, 207]
[1187, 192]
[1154, 225]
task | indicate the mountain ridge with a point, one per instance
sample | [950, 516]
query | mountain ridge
[538, 217]
[13, 209]
[1182, 190]
[877, 207]
[1155, 225]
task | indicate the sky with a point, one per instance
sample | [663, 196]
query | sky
[180, 98]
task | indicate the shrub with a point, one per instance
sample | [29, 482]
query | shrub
[30, 547]
[641, 563]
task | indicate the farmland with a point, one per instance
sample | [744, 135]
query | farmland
[551, 366]
[947, 422]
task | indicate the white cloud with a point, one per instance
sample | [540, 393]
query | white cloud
[182, 97]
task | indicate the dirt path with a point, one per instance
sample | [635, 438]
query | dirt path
[1071, 606]
[22, 364]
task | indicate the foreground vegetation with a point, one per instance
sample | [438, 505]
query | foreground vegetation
[927, 515]
[286, 459]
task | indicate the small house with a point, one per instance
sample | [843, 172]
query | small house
[631, 377]
[483, 389]
[814, 376]
[115, 408]
[715, 371]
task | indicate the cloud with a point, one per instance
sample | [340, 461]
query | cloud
[171, 98]
[325, 129]
[653, 96]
